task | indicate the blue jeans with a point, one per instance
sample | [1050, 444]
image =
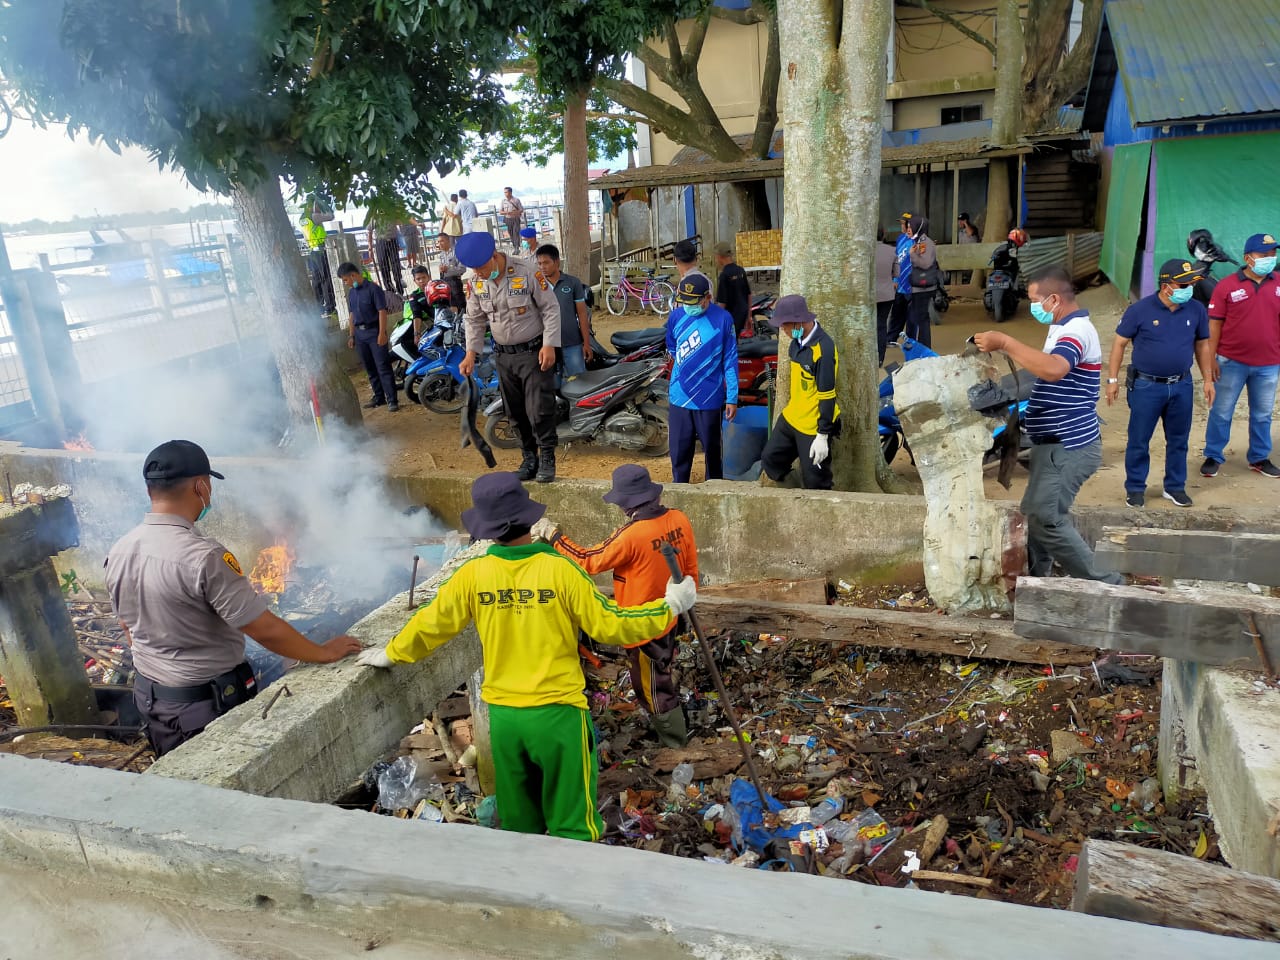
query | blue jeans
[571, 363]
[1149, 403]
[1261, 384]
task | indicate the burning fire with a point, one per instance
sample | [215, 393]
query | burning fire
[272, 567]
[77, 443]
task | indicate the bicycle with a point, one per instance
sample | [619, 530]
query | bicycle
[656, 293]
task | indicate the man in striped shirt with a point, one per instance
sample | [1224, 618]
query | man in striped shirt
[1062, 423]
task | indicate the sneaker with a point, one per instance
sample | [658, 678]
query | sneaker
[1266, 468]
[1135, 498]
[528, 466]
[1178, 497]
[393, 406]
[1209, 468]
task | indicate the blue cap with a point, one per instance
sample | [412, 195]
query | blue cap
[692, 289]
[474, 249]
[529, 232]
[1260, 243]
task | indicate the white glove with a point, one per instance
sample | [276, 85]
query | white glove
[820, 449]
[681, 596]
[545, 530]
[374, 657]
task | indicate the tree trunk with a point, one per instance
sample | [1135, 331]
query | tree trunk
[833, 86]
[295, 331]
[999, 218]
[575, 245]
[1006, 122]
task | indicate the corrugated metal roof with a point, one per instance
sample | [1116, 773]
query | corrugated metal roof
[1192, 60]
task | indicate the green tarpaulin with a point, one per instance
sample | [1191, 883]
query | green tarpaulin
[1229, 185]
[1124, 213]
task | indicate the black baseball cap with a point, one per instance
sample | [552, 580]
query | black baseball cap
[692, 289]
[1181, 271]
[177, 459]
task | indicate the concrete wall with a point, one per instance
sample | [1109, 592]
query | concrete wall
[479, 893]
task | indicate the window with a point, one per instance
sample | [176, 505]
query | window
[964, 114]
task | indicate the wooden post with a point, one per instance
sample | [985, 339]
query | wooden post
[1153, 886]
[1193, 554]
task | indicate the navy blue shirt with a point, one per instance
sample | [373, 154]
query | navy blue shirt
[365, 302]
[1164, 340]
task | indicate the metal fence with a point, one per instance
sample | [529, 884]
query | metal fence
[15, 396]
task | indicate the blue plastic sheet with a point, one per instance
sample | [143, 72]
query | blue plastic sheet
[746, 802]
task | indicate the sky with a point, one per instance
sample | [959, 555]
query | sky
[48, 176]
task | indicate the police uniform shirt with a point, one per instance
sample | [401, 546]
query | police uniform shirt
[184, 599]
[1164, 340]
[517, 307]
[450, 267]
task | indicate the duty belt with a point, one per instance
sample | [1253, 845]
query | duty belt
[526, 347]
[1146, 376]
[236, 683]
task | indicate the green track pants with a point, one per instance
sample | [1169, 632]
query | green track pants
[544, 765]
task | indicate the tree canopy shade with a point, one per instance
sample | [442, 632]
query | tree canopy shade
[355, 99]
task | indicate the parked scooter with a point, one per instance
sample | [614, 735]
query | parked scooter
[1001, 398]
[617, 407]
[404, 351]
[435, 376]
[1205, 250]
[1002, 294]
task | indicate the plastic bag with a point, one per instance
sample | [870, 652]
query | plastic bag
[396, 787]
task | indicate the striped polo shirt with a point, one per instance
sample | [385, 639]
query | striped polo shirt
[1068, 408]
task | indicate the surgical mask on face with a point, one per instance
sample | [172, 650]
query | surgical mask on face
[1181, 294]
[1263, 266]
[494, 275]
[1041, 314]
[797, 333]
[694, 310]
[208, 505]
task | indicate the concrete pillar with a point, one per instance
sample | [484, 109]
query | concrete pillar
[39, 656]
[341, 248]
[480, 732]
[965, 536]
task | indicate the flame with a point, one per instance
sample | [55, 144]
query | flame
[272, 568]
[80, 442]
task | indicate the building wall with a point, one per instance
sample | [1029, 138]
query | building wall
[926, 48]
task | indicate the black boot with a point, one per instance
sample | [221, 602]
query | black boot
[547, 465]
[528, 465]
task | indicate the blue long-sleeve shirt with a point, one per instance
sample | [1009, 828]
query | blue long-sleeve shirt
[902, 260]
[704, 375]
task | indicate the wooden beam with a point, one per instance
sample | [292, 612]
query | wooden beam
[965, 256]
[788, 591]
[1152, 886]
[1202, 626]
[928, 633]
[1193, 554]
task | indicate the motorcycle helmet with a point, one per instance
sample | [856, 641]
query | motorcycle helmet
[438, 292]
[1018, 237]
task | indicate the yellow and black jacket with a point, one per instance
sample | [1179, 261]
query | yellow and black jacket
[528, 603]
[812, 408]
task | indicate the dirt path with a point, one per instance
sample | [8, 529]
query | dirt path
[422, 442]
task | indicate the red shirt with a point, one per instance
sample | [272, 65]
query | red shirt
[1251, 319]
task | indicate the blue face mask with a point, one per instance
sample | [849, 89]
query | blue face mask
[1264, 265]
[1041, 314]
[797, 333]
[694, 310]
[1181, 294]
[494, 275]
[208, 505]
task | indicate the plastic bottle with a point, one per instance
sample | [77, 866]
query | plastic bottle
[682, 775]
[828, 809]
[840, 831]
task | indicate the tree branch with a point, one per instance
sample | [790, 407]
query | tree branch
[756, 13]
[674, 53]
[605, 115]
[767, 112]
[1075, 68]
[950, 18]
[697, 36]
[656, 63]
[691, 128]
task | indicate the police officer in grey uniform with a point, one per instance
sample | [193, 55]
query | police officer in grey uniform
[186, 606]
[512, 298]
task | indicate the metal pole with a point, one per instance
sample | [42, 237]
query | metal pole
[669, 553]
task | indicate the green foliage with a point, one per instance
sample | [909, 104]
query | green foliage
[70, 583]
[360, 100]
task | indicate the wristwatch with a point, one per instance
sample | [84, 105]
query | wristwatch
[1112, 380]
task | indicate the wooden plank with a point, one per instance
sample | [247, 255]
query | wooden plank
[1153, 886]
[788, 591]
[1199, 625]
[1193, 554]
[922, 632]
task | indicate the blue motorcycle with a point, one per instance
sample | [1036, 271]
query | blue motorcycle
[435, 378]
[1010, 394]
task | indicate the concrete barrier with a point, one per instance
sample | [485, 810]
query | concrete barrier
[485, 893]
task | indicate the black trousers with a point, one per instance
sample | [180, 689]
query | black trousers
[321, 279]
[651, 674]
[170, 723]
[787, 445]
[529, 396]
[883, 310]
[686, 428]
[911, 313]
[386, 257]
[377, 364]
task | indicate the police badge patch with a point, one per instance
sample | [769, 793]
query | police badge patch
[230, 560]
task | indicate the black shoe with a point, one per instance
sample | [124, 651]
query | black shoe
[528, 466]
[1266, 468]
[1179, 497]
[393, 406]
[374, 403]
[1209, 468]
[1136, 498]
[547, 466]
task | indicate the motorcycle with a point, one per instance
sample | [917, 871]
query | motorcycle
[404, 352]
[1206, 252]
[435, 376]
[1007, 396]
[1001, 295]
[617, 406]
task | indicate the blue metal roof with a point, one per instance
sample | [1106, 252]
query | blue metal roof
[1197, 60]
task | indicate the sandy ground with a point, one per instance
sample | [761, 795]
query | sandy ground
[424, 442]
